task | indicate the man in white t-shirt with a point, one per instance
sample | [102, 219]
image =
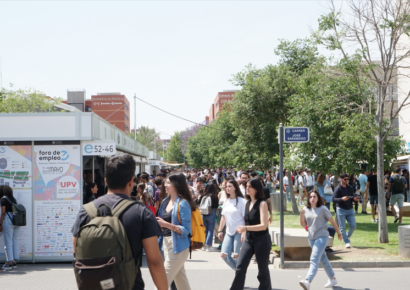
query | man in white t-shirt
[310, 181]
[216, 176]
[286, 186]
[242, 179]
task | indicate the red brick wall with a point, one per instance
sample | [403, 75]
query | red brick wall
[111, 108]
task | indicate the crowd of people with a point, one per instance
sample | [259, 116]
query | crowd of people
[235, 207]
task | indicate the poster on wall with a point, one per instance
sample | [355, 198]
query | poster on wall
[15, 171]
[57, 198]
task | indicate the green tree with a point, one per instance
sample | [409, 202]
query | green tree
[214, 145]
[26, 101]
[328, 101]
[149, 138]
[375, 29]
[174, 149]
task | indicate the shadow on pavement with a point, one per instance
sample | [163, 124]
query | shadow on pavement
[256, 288]
[342, 288]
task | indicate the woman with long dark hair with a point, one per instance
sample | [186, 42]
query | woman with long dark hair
[10, 231]
[176, 239]
[315, 217]
[90, 192]
[208, 203]
[321, 183]
[255, 237]
[233, 213]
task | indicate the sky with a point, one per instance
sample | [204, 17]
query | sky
[176, 55]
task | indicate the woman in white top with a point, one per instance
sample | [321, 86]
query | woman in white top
[222, 197]
[233, 212]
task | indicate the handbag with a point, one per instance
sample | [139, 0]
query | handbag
[205, 207]
[328, 190]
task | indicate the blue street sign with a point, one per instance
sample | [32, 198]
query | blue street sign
[296, 135]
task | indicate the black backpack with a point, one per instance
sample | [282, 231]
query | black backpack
[19, 213]
[398, 185]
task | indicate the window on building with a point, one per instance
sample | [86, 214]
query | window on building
[395, 127]
[217, 103]
[126, 117]
[125, 106]
[126, 128]
[391, 93]
[217, 113]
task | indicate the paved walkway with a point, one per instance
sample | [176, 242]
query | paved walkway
[207, 271]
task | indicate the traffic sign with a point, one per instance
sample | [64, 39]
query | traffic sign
[296, 135]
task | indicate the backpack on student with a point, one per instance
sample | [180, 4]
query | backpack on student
[103, 253]
[398, 185]
[197, 227]
[205, 208]
[19, 213]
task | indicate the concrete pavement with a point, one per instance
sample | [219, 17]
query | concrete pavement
[207, 271]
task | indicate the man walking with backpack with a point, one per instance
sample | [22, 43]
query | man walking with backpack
[397, 194]
[110, 232]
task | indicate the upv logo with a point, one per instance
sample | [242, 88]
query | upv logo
[2, 150]
[288, 131]
[65, 155]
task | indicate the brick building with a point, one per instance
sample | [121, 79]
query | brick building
[220, 99]
[112, 107]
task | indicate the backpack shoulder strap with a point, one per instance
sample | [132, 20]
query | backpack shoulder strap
[91, 209]
[8, 199]
[178, 212]
[122, 206]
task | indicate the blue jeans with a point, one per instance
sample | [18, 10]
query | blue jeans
[328, 205]
[288, 193]
[209, 223]
[319, 256]
[344, 215]
[11, 233]
[231, 244]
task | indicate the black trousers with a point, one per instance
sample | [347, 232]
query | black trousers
[261, 248]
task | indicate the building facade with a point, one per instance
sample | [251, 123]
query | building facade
[220, 99]
[114, 108]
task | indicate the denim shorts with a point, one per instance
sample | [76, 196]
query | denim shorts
[399, 198]
[374, 199]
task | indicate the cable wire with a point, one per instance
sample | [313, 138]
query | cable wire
[181, 117]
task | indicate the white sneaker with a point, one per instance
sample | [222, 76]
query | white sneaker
[7, 267]
[373, 220]
[204, 248]
[305, 284]
[348, 246]
[211, 249]
[330, 283]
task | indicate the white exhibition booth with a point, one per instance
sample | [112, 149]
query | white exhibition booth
[47, 159]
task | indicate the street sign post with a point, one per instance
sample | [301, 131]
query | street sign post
[288, 135]
[296, 135]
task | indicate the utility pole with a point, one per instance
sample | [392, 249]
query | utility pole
[282, 238]
[155, 141]
[135, 116]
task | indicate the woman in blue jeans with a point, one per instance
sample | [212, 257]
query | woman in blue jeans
[233, 212]
[10, 231]
[211, 194]
[316, 216]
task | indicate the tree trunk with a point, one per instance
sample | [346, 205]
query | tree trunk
[383, 231]
[292, 194]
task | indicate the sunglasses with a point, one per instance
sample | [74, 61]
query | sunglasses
[346, 179]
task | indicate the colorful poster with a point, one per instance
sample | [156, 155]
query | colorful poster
[57, 198]
[15, 171]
